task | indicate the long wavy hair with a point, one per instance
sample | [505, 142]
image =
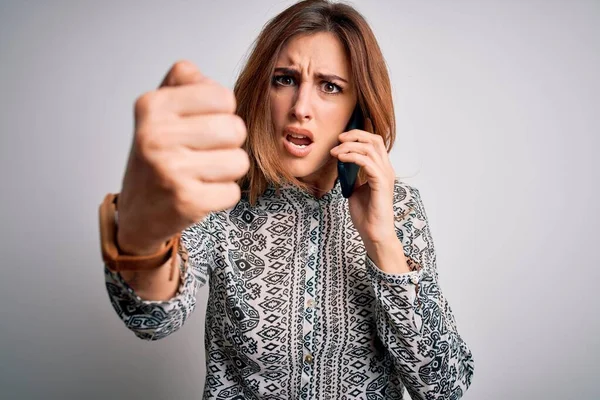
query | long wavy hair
[252, 87]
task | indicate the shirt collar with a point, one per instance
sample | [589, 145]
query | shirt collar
[333, 195]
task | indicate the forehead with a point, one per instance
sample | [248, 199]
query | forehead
[320, 52]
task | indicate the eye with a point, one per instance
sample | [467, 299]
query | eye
[331, 88]
[283, 80]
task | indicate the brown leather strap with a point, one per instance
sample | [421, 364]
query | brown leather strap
[111, 253]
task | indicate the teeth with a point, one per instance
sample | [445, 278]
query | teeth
[297, 136]
[300, 146]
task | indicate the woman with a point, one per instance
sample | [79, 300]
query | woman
[312, 295]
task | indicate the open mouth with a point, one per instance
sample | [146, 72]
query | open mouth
[299, 141]
[298, 145]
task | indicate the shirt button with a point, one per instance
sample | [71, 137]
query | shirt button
[414, 279]
[312, 249]
[308, 358]
[310, 304]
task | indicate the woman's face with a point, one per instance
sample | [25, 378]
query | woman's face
[312, 98]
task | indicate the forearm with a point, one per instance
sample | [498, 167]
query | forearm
[159, 284]
[416, 325]
[153, 304]
[152, 319]
[156, 284]
[388, 256]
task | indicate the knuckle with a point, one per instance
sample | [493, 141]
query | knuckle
[181, 72]
[181, 67]
[235, 193]
[148, 138]
[228, 99]
[240, 128]
[146, 103]
[244, 161]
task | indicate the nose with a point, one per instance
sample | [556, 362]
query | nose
[302, 108]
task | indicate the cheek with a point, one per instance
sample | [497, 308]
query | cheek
[332, 123]
[279, 108]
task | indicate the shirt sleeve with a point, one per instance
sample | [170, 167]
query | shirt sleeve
[153, 320]
[414, 321]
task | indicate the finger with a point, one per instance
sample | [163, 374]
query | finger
[206, 97]
[182, 73]
[366, 149]
[203, 132]
[218, 165]
[374, 174]
[200, 98]
[361, 136]
[218, 196]
[358, 135]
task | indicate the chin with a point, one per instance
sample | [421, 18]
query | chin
[300, 168]
[303, 168]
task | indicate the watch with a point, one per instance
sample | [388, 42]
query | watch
[113, 257]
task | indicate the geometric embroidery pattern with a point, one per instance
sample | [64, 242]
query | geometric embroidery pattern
[297, 310]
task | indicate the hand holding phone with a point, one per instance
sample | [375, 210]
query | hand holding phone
[347, 171]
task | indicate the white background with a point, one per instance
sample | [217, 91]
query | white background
[497, 105]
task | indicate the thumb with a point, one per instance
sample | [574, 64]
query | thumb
[182, 73]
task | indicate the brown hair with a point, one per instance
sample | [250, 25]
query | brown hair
[252, 87]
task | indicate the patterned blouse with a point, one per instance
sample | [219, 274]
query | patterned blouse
[297, 309]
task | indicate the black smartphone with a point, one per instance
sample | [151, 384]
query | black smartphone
[348, 171]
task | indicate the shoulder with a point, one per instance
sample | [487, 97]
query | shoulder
[404, 193]
[407, 199]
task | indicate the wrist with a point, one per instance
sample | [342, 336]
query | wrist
[138, 248]
[388, 256]
[130, 243]
[145, 257]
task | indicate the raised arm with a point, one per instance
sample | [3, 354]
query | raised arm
[414, 320]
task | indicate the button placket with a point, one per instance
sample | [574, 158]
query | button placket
[312, 265]
[308, 358]
[310, 305]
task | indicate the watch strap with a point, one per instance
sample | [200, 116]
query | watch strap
[113, 256]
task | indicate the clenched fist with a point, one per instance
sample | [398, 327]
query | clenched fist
[184, 161]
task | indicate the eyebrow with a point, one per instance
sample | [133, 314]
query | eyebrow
[293, 72]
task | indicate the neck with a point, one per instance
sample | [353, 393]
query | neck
[323, 180]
